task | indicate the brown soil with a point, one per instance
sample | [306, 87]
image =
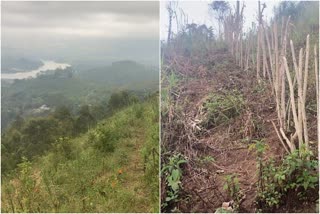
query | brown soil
[227, 143]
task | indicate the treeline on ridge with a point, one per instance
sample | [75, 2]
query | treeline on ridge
[30, 137]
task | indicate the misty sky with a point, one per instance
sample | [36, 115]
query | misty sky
[198, 12]
[81, 31]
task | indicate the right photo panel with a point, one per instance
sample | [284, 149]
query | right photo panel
[239, 106]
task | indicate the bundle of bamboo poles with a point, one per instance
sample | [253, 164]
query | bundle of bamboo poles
[264, 50]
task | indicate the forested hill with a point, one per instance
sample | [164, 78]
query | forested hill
[20, 64]
[121, 72]
[112, 166]
[73, 88]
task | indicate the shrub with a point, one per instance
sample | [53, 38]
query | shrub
[221, 108]
[104, 139]
[232, 187]
[297, 173]
[173, 173]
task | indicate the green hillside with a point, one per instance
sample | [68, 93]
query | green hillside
[72, 88]
[111, 168]
[121, 73]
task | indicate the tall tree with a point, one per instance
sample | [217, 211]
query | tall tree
[219, 10]
[171, 8]
[85, 119]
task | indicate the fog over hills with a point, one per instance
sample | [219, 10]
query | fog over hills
[75, 53]
[80, 33]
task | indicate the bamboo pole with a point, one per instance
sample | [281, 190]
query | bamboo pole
[282, 77]
[300, 92]
[276, 77]
[293, 104]
[280, 138]
[265, 62]
[258, 53]
[264, 57]
[293, 56]
[247, 53]
[269, 51]
[296, 69]
[305, 87]
[241, 51]
[283, 97]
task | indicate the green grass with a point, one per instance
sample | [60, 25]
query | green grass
[77, 176]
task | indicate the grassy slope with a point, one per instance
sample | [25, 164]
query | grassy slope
[80, 178]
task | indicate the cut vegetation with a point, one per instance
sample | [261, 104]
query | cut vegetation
[242, 112]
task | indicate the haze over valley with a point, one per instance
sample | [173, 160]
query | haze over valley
[48, 49]
[80, 110]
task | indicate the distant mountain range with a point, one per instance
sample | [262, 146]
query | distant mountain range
[13, 65]
[121, 72]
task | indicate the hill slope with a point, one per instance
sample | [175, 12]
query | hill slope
[219, 119]
[111, 168]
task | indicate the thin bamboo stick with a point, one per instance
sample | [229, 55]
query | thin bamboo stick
[280, 138]
[282, 77]
[276, 78]
[305, 83]
[269, 51]
[300, 92]
[293, 104]
[258, 53]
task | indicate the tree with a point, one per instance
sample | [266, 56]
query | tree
[66, 121]
[18, 122]
[85, 119]
[219, 10]
[38, 135]
[62, 113]
[171, 8]
[121, 99]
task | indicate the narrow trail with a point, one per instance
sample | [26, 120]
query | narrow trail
[133, 170]
[227, 143]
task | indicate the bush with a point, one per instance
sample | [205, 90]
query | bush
[219, 109]
[297, 174]
[121, 99]
[172, 172]
[64, 147]
[103, 139]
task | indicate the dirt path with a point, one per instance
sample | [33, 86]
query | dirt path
[227, 143]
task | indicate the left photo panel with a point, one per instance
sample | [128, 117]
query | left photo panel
[79, 107]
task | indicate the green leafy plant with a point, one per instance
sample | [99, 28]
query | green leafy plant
[173, 173]
[232, 187]
[221, 108]
[269, 193]
[205, 160]
[104, 139]
[296, 173]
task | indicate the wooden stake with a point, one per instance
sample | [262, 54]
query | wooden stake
[305, 82]
[300, 92]
[293, 104]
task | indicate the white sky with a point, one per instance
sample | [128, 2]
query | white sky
[198, 12]
[69, 31]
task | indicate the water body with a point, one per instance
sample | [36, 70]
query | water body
[47, 65]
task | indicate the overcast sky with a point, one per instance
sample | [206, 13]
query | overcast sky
[198, 12]
[77, 31]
